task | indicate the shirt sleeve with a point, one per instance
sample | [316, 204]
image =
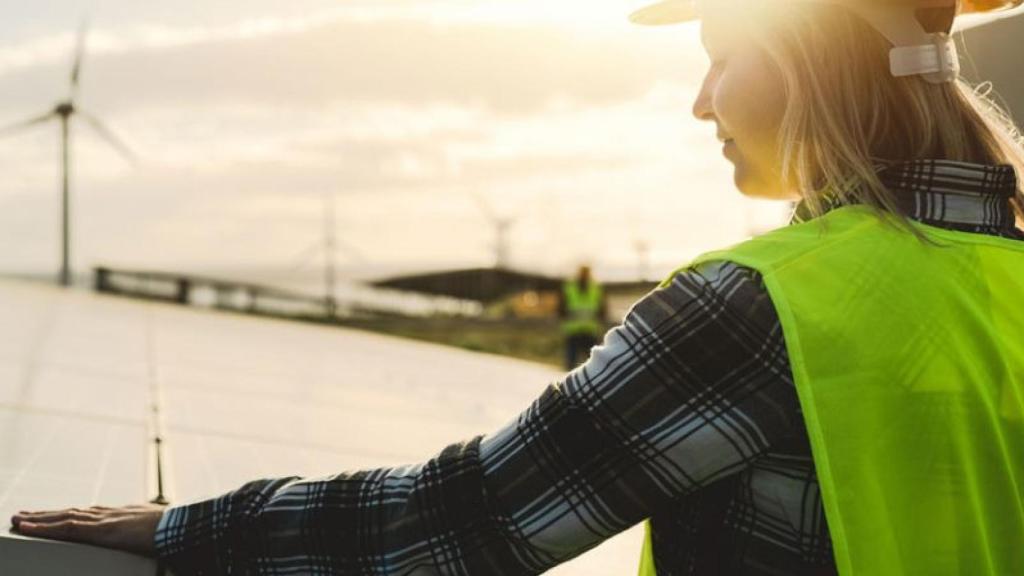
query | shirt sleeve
[692, 387]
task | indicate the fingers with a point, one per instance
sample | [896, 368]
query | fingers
[63, 510]
[51, 516]
[89, 531]
[128, 528]
[90, 513]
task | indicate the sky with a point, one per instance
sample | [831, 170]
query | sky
[421, 122]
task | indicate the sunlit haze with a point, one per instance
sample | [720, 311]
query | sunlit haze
[561, 116]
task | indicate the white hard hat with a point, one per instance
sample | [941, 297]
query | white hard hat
[930, 53]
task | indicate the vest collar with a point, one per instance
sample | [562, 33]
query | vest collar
[946, 194]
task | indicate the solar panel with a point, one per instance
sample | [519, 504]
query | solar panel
[238, 398]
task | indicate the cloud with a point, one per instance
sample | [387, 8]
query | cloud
[583, 136]
[508, 70]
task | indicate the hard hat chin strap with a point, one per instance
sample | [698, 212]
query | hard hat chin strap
[915, 50]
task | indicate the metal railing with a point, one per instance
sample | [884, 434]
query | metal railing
[261, 299]
[233, 295]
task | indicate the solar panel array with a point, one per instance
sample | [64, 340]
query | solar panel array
[87, 382]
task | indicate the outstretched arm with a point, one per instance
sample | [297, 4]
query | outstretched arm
[691, 388]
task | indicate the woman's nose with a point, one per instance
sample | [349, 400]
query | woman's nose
[702, 109]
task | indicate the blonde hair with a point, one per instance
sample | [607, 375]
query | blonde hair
[847, 115]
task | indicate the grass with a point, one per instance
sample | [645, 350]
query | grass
[534, 340]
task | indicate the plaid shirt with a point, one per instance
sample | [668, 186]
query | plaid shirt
[687, 413]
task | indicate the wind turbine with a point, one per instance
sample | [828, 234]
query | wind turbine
[63, 111]
[502, 226]
[329, 246]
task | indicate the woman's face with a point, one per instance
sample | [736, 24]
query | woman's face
[744, 95]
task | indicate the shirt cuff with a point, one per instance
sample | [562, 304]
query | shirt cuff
[164, 528]
[213, 536]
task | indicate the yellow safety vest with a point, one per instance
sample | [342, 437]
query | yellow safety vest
[908, 359]
[583, 308]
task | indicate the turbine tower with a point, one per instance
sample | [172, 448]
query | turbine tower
[502, 228]
[643, 253]
[329, 246]
[63, 112]
[330, 258]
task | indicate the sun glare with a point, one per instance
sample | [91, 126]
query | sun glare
[581, 13]
[587, 14]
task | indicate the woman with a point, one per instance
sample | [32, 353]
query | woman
[864, 365]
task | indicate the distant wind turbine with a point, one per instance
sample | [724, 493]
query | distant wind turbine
[64, 111]
[328, 245]
[502, 227]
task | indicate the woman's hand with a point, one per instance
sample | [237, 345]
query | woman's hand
[129, 528]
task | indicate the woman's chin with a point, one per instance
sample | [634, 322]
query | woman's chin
[758, 188]
[750, 187]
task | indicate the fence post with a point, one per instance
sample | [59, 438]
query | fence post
[253, 299]
[184, 288]
[102, 279]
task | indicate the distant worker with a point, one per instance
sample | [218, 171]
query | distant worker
[584, 310]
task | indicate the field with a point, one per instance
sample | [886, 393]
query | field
[534, 340]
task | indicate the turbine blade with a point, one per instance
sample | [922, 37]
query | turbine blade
[484, 206]
[26, 123]
[111, 138]
[76, 67]
[302, 258]
[353, 252]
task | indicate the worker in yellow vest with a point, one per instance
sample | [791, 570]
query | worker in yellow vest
[906, 340]
[584, 310]
[842, 395]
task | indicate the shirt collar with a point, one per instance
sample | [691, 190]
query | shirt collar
[943, 193]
